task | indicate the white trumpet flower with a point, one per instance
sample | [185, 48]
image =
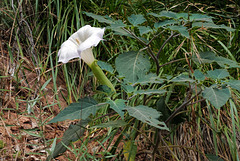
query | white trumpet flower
[79, 45]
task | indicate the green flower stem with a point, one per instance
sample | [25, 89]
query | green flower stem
[101, 77]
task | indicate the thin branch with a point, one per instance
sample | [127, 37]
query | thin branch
[173, 61]
[149, 51]
[154, 58]
[131, 33]
[197, 101]
[185, 103]
[159, 136]
[155, 37]
[169, 38]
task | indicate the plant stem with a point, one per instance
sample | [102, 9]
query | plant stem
[173, 61]
[159, 51]
[185, 103]
[101, 77]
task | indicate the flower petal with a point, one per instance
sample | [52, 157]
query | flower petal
[87, 56]
[78, 42]
[68, 51]
[89, 36]
[91, 41]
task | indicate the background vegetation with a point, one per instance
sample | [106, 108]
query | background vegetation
[34, 87]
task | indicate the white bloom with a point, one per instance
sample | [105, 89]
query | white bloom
[80, 44]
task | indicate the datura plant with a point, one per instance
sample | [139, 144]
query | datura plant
[145, 101]
[79, 45]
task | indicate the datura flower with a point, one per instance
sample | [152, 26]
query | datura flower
[79, 45]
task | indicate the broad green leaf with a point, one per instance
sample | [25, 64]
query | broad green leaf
[217, 97]
[182, 78]
[213, 157]
[105, 66]
[182, 15]
[118, 105]
[144, 29]
[104, 88]
[127, 88]
[164, 23]
[113, 124]
[199, 75]
[104, 19]
[121, 32]
[132, 65]
[224, 62]
[181, 29]
[72, 134]
[147, 115]
[211, 25]
[80, 110]
[150, 91]
[167, 76]
[129, 150]
[168, 14]
[234, 84]
[218, 74]
[136, 19]
[200, 17]
[117, 24]
[149, 78]
[154, 14]
[163, 108]
[210, 57]
[205, 57]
